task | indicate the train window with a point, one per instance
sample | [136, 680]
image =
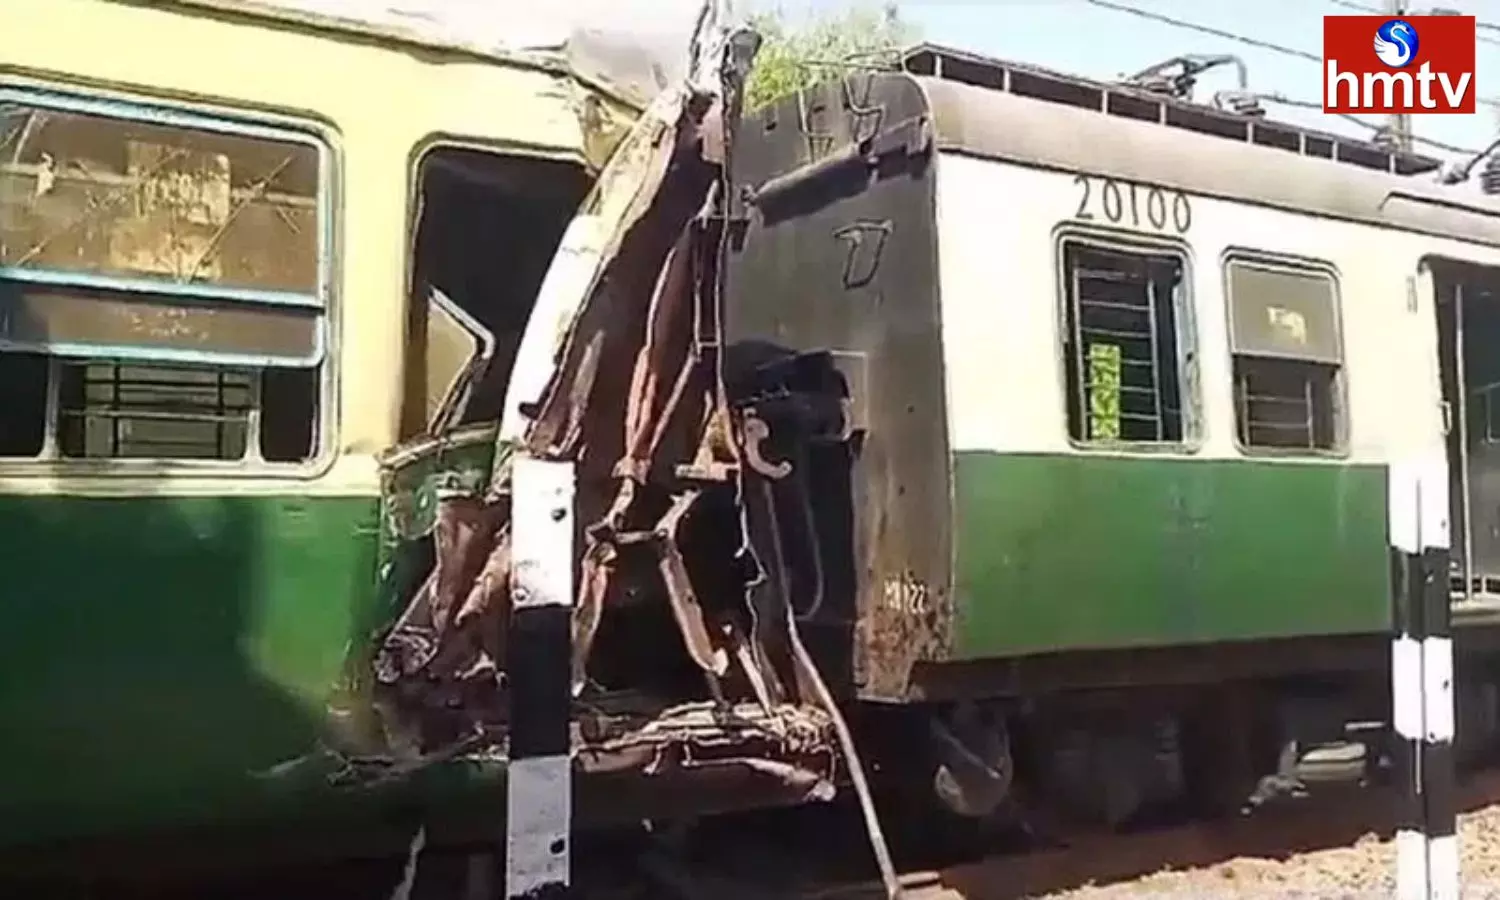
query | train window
[1288, 357]
[1124, 367]
[486, 226]
[74, 409]
[163, 284]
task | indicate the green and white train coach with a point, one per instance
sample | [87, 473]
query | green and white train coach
[1134, 373]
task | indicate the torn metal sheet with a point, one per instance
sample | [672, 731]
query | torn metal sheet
[620, 374]
[787, 746]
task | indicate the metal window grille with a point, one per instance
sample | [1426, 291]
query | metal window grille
[109, 410]
[170, 270]
[1286, 404]
[1123, 352]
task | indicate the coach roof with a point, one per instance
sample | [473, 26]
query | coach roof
[997, 123]
[629, 49]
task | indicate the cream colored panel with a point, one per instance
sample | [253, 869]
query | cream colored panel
[998, 223]
[377, 103]
[349, 476]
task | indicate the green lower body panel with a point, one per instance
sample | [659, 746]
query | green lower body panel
[161, 652]
[1075, 552]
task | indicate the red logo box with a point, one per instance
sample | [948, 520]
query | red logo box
[1372, 64]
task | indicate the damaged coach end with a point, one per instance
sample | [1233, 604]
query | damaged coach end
[618, 374]
[274, 439]
[687, 697]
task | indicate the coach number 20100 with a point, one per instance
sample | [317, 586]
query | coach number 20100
[1132, 205]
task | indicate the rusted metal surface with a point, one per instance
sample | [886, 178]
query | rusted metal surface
[685, 606]
[708, 735]
[637, 402]
[849, 321]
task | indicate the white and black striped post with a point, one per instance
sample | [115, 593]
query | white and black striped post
[1422, 683]
[539, 803]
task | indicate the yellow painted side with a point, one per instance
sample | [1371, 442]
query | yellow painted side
[378, 101]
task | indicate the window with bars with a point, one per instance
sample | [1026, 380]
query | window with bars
[1122, 346]
[53, 408]
[1288, 355]
[163, 283]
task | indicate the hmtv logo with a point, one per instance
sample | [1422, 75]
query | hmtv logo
[1411, 64]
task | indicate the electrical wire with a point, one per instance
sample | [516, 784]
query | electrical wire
[1204, 29]
[1235, 36]
[1310, 104]
[1462, 172]
[1248, 41]
[1362, 7]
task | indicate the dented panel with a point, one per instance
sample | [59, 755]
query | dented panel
[619, 376]
[393, 673]
[844, 175]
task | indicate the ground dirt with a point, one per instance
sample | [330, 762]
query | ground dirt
[1364, 869]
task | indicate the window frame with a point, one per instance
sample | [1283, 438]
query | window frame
[1339, 394]
[412, 427]
[217, 118]
[1187, 351]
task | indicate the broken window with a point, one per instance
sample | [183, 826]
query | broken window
[486, 227]
[162, 284]
[1124, 355]
[1284, 337]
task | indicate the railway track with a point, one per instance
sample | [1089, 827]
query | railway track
[818, 854]
[1328, 819]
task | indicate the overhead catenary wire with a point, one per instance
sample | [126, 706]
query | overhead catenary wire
[1204, 29]
[1248, 41]
[1313, 104]
[873, 61]
[1462, 171]
[1373, 10]
[1238, 38]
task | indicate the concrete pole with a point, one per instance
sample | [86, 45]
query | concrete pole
[1400, 123]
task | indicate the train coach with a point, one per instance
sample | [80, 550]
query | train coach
[1038, 428]
[1131, 374]
[252, 323]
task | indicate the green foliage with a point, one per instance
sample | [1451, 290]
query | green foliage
[792, 59]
